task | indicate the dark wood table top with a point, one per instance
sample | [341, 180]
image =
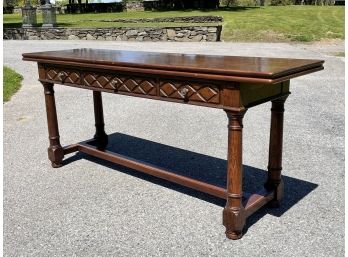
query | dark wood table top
[251, 67]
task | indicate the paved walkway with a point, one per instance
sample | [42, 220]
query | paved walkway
[92, 208]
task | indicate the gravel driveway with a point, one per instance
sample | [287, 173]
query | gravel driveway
[93, 208]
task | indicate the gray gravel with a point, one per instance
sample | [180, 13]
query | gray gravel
[92, 208]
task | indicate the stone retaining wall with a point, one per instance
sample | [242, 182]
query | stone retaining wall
[180, 34]
[134, 6]
[186, 19]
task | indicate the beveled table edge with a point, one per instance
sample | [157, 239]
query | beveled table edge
[39, 57]
[160, 72]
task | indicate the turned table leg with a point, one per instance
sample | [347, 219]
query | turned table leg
[55, 150]
[274, 180]
[100, 136]
[234, 215]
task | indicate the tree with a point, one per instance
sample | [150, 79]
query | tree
[8, 3]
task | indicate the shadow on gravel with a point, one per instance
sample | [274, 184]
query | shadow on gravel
[198, 166]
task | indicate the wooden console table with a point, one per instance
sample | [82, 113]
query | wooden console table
[231, 83]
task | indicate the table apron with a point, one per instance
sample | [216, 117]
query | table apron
[216, 94]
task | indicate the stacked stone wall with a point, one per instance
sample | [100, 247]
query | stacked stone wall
[180, 34]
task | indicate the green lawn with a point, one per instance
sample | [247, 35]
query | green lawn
[12, 82]
[269, 24]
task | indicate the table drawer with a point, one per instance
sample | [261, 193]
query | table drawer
[206, 93]
[62, 75]
[117, 83]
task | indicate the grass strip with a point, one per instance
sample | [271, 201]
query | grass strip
[12, 83]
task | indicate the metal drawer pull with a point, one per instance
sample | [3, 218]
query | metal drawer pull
[114, 85]
[62, 76]
[184, 91]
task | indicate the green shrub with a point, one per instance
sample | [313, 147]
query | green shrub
[228, 3]
[15, 2]
[231, 3]
[281, 2]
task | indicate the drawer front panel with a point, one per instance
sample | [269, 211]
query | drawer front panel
[135, 85]
[61, 75]
[165, 89]
[205, 93]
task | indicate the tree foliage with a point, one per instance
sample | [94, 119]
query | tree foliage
[15, 2]
[22, 2]
[230, 3]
